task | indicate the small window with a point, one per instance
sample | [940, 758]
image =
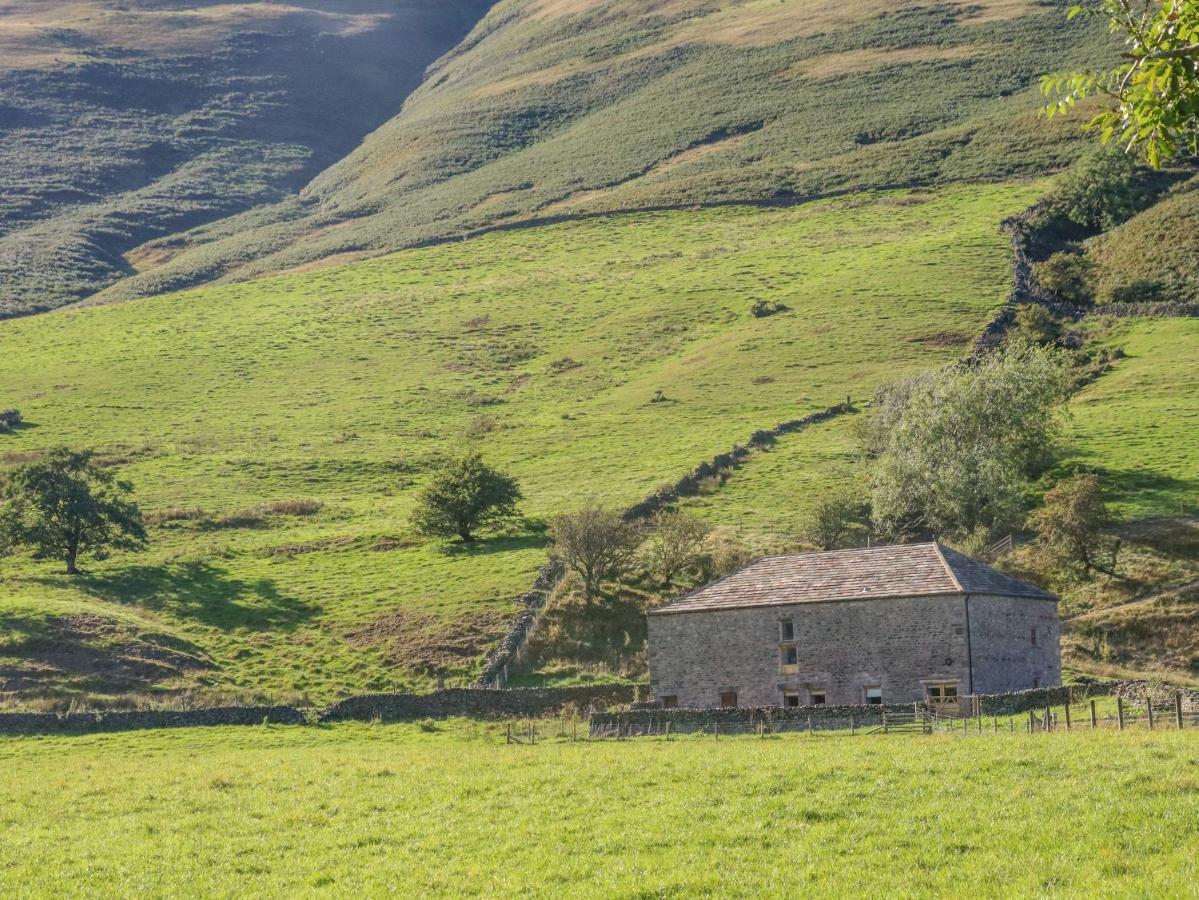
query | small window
[790, 698]
[874, 696]
[1032, 635]
[788, 659]
[670, 701]
[1036, 682]
[786, 630]
[942, 693]
[728, 699]
[816, 698]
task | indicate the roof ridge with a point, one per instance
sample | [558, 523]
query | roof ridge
[953, 576]
[839, 550]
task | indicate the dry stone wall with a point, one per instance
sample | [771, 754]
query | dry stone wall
[51, 723]
[476, 703]
[745, 720]
[512, 646]
[471, 702]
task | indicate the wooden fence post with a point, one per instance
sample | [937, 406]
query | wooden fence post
[884, 721]
[1094, 717]
[1048, 718]
[1031, 719]
[809, 724]
[1067, 715]
[508, 739]
[851, 728]
[1178, 708]
[1149, 710]
[1120, 712]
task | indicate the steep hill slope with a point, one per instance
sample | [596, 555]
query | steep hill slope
[564, 108]
[1153, 256]
[120, 122]
[278, 430]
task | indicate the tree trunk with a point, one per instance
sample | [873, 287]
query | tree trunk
[72, 555]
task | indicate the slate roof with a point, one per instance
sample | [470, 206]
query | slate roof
[905, 570]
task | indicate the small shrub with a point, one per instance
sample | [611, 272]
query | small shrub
[725, 555]
[9, 419]
[481, 425]
[290, 508]
[1038, 324]
[658, 397]
[246, 518]
[565, 364]
[763, 308]
[1102, 190]
[1068, 277]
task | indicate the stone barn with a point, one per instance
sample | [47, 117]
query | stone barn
[881, 625]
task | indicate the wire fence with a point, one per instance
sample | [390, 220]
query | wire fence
[1115, 714]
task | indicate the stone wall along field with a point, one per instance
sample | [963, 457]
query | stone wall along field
[479, 703]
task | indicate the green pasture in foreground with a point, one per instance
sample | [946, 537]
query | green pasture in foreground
[1138, 425]
[544, 348]
[361, 810]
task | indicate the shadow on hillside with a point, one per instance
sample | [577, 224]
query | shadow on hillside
[502, 544]
[90, 653]
[203, 593]
[1147, 487]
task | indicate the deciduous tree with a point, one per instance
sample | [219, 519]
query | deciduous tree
[836, 516]
[465, 496]
[1154, 90]
[595, 543]
[676, 543]
[65, 506]
[957, 454]
[1072, 523]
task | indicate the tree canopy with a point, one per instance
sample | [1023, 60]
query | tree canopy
[65, 506]
[1154, 90]
[465, 496]
[595, 543]
[955, 450]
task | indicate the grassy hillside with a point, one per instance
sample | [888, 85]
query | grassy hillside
[1152, 256]
[121, 122]
[199, 812]
[1138, 426]
[550, 109]
[277, 431]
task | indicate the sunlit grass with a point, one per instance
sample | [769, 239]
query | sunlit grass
[542, 348]
[368, 810]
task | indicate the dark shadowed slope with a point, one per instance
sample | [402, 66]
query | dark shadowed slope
[121, 122]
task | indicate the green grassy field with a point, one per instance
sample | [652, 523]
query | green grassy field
[543, 348]
[373, 810]
[1138, 425]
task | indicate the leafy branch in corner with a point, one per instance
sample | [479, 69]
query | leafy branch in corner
[1154, 91]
